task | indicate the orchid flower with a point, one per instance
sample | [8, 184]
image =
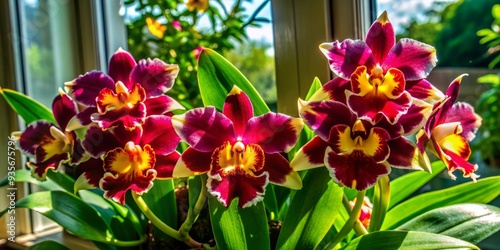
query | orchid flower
[355, 152]
[241, 153]
[384, 76]
[449, 129]
[51, 144]
[131, 158]
[127, 95]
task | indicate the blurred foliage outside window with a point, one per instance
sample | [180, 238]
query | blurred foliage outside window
[175, 31]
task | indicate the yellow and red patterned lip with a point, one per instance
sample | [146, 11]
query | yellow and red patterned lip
[378, 93]
[121, 98]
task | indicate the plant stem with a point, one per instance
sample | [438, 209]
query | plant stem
[161, 225]
[359, 228]
[353, 217]
[194, 211]
[133, 243]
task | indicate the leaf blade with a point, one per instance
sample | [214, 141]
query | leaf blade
[26, 107]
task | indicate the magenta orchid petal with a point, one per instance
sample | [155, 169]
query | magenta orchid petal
[415, 118]
[193, 162]
[86, 88]
[63, 108]
[459, 162]
[204, 129]
[318, 116]
[280, 172]
[155, 76]
[77, 151]
[115, 186]
[380, 37]
[125, 117]
[469, 120]
[34, 135]
[311, 155]
[413, 58]
[93, 171]
[84, 117]
[424, 90]
[344, 57]
[160, 105]
[160, 134]
[392, 109]
[39, 169]
[356, 171]
[333, 90]
[402, 151]
[165, 164]
[273, 132]
[97, 142]
[239, 109]
[120, 66]
[249, 189]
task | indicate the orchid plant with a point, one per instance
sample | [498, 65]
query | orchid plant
[115, 150]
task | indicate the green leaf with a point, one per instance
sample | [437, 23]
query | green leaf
[62, 180]
[469, 222]
[23, 175]
[69, 211]
[381, 197]
[48, 244]
[161, 200]
[389, 240]
[217, 76]
[239, 228]
[483, 191]
[315, 86]
[312, 211]
[407, 184]
[28, 108]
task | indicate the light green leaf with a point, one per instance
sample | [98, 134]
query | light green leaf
[469, 222]
[161, 200]
[28, 108]
[381, 196]
[239, 228]
[23, 175]
[389, 240]
[48, 244]
[312, 211]
[217, 76]
[407, 184]
[483, 191]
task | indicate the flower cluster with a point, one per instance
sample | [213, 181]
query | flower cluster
[364, 117]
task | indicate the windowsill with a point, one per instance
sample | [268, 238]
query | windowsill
[56, 234]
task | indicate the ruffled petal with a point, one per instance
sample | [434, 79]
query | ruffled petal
[39, 169]
[413, 58]
[63, 108]
[402, 153]
[155, 76]
[116, 186]
[165, 164]
[424, 90]
[311, 155]
[121, 117]
[319, 116]
[120, 66]
[204, 129]
[238, 184]
[355, 170]
[160, 105]
[239, 109]
[192, 163]
[457, 162]
[333, 90]
[344, 57]
[160, 134]
[368, 107]
[92, 171]
[416, 117]
[280, 172]
[380, 37]
[464, 113]
[86, 88]
[34, 135]
[273, 132]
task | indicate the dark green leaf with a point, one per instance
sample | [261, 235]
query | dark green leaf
[48, 244]
[61, 179]
[217, 76]
[312, 211]
[389, 240]
[239, 228]
[407, 184]
[483, 191]
[28, 108]
[469, 222]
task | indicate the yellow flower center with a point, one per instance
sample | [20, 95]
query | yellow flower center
[230, 158]
[130, 160]
[124, 98]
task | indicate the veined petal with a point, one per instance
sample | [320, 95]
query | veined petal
[52, 146]
[355, 170]
[34, 135]
[160, 105]
[63, 108]
[333, 90]
[165, 164]
[239, 109]
[380, 37]
[97, 142]
[456, 162]
[415, 118]
[120, 66]
[311, 155]
[322, 116]
[280, 172]
[402, 153]
[424, 90]
[115, 186]
[456, 144]
[125, 117]
[238, 184]
[86, 88]
[273, 132]
[346, 56]
[204, 129]
[39, 169]
[232, 158]
[124, 98]
[464, 113]
[160, 134]
[413, 58]
[422, 140]
[192, 163]
[369, 106]
[92, 170]
[155, 76]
